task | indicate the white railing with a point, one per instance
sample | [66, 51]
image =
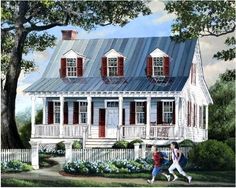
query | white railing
[194, 133]
[162, 132]
[73, 131]
[133, 131]
[46, 130]
[102, 154]
[54, 131]
[23, 155]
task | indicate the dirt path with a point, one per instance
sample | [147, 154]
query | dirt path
[52, 173]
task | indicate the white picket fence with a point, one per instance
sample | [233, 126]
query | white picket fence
[23, 155]
[102, 154]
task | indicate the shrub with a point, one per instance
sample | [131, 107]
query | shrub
[15, 166]
[77, 145]
[231, 143]
[115, 166]
[60, 146]
[131, 144]
[187, 143]
[212, 155]
[122, 144]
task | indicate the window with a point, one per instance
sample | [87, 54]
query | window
[83, 112]
[112, 67]
[168, 112]
[113, 104]
[158, 66]
[140, 113]
[71, 67]
[56, 112]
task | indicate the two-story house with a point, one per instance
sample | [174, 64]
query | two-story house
[103, 90]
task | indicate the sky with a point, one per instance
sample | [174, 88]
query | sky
[156, 24]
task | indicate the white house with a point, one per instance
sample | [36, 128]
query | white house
[103, 90]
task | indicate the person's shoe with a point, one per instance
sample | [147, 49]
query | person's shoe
[168, 177]
[150, 181]
[189, 179]
[175, 178]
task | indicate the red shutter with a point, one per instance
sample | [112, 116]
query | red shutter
[159, 112]
[65, 112]
[104, 67]
[173, 120]
[190, 114]
[79, 66]
[75, 113]
[132, 113]
[145, 112]
[188, 111]
[102, 121]
[92, 112]
[123, 117]
[166, 66]
[149, 66]
[63, 68]
[120, 66]
[50, 112]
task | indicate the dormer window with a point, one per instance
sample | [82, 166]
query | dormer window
[71, 65]
[157, 64]
[112, 64]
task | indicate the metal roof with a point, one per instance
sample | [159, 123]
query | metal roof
[136, 51]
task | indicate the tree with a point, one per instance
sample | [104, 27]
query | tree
[222, 112]
[23, 30]
[204, 18]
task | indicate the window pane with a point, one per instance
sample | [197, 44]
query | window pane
[112, 67]
[71, 66]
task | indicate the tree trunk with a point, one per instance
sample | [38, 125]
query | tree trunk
[9, 134]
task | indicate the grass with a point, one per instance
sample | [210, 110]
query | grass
[62, 183]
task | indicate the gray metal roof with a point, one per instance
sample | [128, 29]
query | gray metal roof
[135, 50]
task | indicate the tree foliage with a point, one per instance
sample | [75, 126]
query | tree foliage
[204, 18]
[222, 112]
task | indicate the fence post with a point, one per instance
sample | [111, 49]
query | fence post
[68, 152]
[136, 150]
[34, 154]
[143, 147]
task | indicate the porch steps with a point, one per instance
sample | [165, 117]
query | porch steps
[100, 142]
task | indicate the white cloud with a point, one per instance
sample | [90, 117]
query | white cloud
[164, 18]
[212, 71]
[156, 6]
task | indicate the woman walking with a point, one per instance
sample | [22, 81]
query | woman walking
[176, 155]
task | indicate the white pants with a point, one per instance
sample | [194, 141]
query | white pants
[174, 166]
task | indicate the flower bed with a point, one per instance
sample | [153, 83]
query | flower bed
[15, 166]
[114, 166]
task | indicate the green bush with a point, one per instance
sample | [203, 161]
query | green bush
[60, 146]
[187, 143]
[77, 145]
[131, 144]
[212, 155]
[122, 144]
[15, 166]
[231, 143]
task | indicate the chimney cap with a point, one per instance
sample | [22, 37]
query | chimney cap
[69, 34]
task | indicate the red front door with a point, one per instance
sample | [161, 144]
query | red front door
[102, 120]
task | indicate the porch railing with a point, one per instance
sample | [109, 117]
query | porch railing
[162, 132]
[53, 131]
[133, 131]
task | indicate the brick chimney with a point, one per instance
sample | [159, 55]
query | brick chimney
[69, 34]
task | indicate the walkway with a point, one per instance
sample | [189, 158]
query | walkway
[53, 174]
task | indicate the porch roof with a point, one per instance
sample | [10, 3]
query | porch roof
[99, 84]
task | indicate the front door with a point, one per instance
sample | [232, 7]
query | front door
[112, 120]
[102, 120]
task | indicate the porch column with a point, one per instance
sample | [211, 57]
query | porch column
[68, 151]
[32, 116]
[206, 118]
[44, 110]
[61, 116]
[120, 117]
[34, 154]
[148, 117]
[89, 101]
[176, 117]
